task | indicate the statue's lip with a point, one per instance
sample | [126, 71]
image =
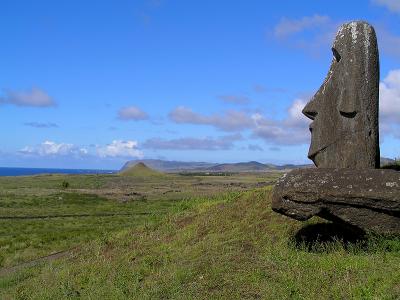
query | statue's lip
[315, 153]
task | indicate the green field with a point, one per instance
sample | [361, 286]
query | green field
[178, 237]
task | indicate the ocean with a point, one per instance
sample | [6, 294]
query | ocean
[35, 171]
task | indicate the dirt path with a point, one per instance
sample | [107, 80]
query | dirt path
[9, 270]
[74, 215]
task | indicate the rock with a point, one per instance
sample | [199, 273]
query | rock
[344, 131]
[368, 199]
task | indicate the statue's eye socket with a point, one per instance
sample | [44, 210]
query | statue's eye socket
[336, 54]
[349, 115]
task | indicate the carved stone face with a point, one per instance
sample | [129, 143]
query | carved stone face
[344, 131]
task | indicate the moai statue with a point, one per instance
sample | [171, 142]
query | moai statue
[345, 131]
[345, 187]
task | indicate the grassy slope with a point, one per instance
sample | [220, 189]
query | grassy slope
[29, 238]
[38, 217]
[231, 246]
[82, 214]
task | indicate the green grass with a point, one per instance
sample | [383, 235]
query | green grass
[46, 224]
[393, 166]
[229, 245]
[40, 215]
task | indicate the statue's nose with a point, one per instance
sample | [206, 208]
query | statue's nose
[309, 110]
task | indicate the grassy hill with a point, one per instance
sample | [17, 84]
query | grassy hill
[177, 166]
[140, 170]
[168, 166]
[240, 167]
[228, 246]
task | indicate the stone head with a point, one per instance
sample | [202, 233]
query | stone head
[344, 131]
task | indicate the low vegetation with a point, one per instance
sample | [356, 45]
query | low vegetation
[395, 165]
[220, 241]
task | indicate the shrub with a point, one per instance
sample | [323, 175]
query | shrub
[65, 184]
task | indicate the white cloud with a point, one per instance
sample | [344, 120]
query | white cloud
[274, 148]
[320, 32]
[189, 143]
[315, 34]
[49, 148]
[388, 42]
[34, 97]
[288, 27]
[259, 88]
[294, 128]
[183, 114]
[118, 148]
[389, 90]
[41, 124]
[392, 5]
[132, 113]
[295, 116]
[253, 147]
[234, 99]
[290, 131]
[230, 121]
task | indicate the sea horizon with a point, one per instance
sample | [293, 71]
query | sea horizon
[23, 171]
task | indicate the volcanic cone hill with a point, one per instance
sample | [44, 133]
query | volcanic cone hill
[140, 170]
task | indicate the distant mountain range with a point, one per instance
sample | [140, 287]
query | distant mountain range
[251, 166]
[386, 161]
[179, 166]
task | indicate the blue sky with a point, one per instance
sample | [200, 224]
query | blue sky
[91, 84]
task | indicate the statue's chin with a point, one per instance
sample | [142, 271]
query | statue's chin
[315, 155]
[315, 159]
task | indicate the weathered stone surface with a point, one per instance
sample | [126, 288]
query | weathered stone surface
[368, 199]
[344, 110]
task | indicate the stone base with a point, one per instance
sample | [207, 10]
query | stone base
[368, 199]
